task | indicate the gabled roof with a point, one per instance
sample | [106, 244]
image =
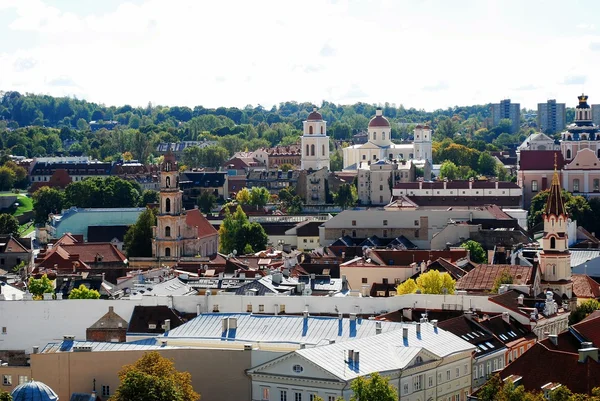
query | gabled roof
[483, 277]
[508, 333]
[584, 286]
[443, 265]
[194, 218]
[10, 244]
[540, 160]
[144, 316]
[109, 321]
[106, 233]
[474, 333]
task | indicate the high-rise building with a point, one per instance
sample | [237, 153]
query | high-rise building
[508, 110]
[596, 114]
[551, 117]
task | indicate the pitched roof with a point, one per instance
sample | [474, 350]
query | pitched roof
[106, 233]
[10, 244]
[483, 277]
[584, 286]
[144, 316]
[474, 333]
[540, 160]
[308, 228]
[194, 218]
[110, 320]
[555, 205]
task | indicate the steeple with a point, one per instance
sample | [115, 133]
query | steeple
[555, 204]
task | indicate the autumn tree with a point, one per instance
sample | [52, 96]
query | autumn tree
[5, 396]
[476, 251]
[243, 196]
[154, 378]
[7, 178]
[138, 238]
[9, 224]
[429, 282]
[84, 293]
[504, 278]
[374, 388]
[583, 310]
[39, 287]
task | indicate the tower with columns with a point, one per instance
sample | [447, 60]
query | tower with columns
[315, 142]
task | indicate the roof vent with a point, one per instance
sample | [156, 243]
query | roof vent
[247, 347]
[434, 323]
[68, 338]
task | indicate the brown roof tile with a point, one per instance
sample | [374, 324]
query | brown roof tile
[584, 286]
[482, 278]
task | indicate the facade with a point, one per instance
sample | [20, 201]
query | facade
[376, 180]
[314, 143]
[194, 183]
[78, 170]
[180, 233]
[507, 110]
[276, 156]
[179, 147]
[380, 145]
[13, 251]
[273, 180]
[551, 117]
[109, 328]
[421, 361]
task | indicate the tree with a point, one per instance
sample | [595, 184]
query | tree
[290, 202]
[259, 196]
[430, 282]
[476, 251]
[138, 238]
[576, 206]
[206, 201]
[236, 233]
[501, 172]
[449, 170]
[336, 161]
[9, 225]
[486, 164]
[375, 388]
[447, 128]
[84, 293]
[21, 180]
[583, 310]
[346, 196]
[47, 200]
[148, 196]
[39, 287]
[7, 178]
[5, 396]
[243, 196]
[154, 378]
[504, 278]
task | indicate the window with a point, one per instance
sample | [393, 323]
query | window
[249, 308]
[534, 186]
[7, 380]
[417, 382]
[167, 231]
[105, 391]
[405, 388]
[457, 372]
[331, 398]
[261, 308]
[307, 150]
[416, 233]
[297, 396]
[364, 157]
[385, 233]
[495, 365]
[416, 222]
[3, 329]
[489, 368]
[596, 185]
[521, 350]
[323, 150]
[381, 187]
[374, 136]
[364, 280]
[168, 182]
[312, 149]
[282, 308]
[383, 136]
[568, 153]
[23, 379]
[481, 374]
[168, 205]
[167, 252]
[552, 243]
[385, 281]
[385, 222]
[353, 222]
[310, 130]
[265, 394]
[312, 397]
[448, 375]
[297, 368]
[430, 381]
[322, 132]
[466, 369]
[353, 233]
[282, 395]
[576, 185]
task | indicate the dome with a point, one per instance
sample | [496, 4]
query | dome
[33, 391]
[379, 120]
[315, 115]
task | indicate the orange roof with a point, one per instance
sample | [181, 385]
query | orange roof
[194, 218]
[584, 286]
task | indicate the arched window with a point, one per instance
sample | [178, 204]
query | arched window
[568, 153]
[383, 136]
[312, 149]
[322, 130]
[310, 129]
[167, 252]
[552, 243]
[168, 205]
[167, 231]
[554, 270]
[168, 182]
[354, 233]
[374, 136]
[323, 149]
[307, 150]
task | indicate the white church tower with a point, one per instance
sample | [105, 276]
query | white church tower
[423, 143]
[315, 142]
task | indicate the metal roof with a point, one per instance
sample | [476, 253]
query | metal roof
[385, 352]
[77, 346]
[314, 330]
[581, 256]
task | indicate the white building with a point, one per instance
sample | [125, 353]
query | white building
[422, 361]
[380, 146]
[315, 143]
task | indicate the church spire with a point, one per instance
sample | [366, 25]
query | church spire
[555, 203]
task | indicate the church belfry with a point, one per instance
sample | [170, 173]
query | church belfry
[555, 259]
[315, 142]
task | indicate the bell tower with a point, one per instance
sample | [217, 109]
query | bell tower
[315, 142]
[171, 218]
[555, 259]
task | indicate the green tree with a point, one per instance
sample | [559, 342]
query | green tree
[446, 128]
[290, 202]
[501, 172]
[476, 251]
[346, 196]
[504, 278]
[9, 225]
[583, 310]
[576, 206]
[47, 200]
[259, 196]
[5, 396]
[375, 388]
[336, 161]
[138, 238]
[486, 164]
[243, 196]
[21, 180]
[206, 202]
[154, 378]
[84, 293]
[430, 282]
[7, 178]
[449, 170]
[236, 233]
[148, 196]
[39, 287]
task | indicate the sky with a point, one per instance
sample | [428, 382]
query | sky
[424, 54]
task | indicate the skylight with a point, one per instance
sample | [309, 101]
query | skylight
[489, 344]
[483, 347]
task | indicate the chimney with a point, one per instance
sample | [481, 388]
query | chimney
[405, 333]
[418, 328]
[356, 359]
[344, 283]
[554, 339]
[520, 300]
[434, 323]
[584, 353]
[331, 341]
[469, 314]
[506, 317]
[167, 325]
[302, 345]
[378, 328]
[305, 314]
[352, 316]
[36, 349]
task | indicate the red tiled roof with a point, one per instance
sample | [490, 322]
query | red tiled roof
[315, 115]
[379, 121]
[482, 278]
[589, 329]
[540, 160]
[194, 218]
[585, 287]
